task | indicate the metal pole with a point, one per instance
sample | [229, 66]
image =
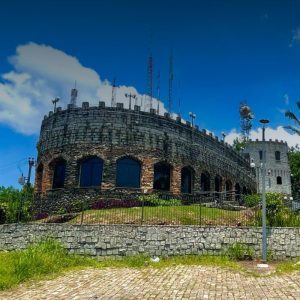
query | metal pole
[263, 190]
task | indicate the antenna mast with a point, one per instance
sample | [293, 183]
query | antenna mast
[113, 93]
[74, 94]
[246, 117]
[158, 91]
[150, 73]
[171, 76]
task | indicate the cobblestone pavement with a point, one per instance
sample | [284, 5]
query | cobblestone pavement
[181, 282]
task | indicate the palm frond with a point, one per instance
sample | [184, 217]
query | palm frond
[298, 104]
[292, 116]
[294, 129]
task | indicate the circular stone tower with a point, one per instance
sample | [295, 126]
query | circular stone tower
[89, 152]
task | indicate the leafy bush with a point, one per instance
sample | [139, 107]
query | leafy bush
[15, 204]
[239, 251]
[252, 200]
[155, 200]
[276, 212]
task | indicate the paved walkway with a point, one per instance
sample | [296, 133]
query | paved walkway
[181, 282]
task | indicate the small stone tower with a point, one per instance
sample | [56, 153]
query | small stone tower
[278, 174]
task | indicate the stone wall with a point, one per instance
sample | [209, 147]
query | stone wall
[112, 133]
[120, 240]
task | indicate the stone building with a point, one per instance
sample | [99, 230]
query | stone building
[85, 152]
[278, 174]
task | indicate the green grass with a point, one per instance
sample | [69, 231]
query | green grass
[166, 215]
[48, 259]
[45, 258]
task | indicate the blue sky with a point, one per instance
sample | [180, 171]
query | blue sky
[224, 52]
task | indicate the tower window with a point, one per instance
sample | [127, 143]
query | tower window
[279, 180]
[260, 155]
[128, 173]
[59, 174]
[91, 172]
[277, 155]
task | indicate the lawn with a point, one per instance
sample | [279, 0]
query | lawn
[166, 215]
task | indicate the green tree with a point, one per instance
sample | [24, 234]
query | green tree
[289, 114]
[15, 204]
[239, 144]
[294, 162]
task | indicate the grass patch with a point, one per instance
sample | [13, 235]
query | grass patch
[45, 258]
[166, 215]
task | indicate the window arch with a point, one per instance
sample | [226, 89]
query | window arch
[186, 180]
[162, 176]
[205, 181]
[279, 180]
[59, 174]
[218, 183]
[237, 188]
[91, 172]
[128, 173]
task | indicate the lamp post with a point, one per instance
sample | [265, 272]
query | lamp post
[263, 193]
[193, 117]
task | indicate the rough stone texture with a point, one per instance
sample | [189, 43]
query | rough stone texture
[180, 282]
[274, 168]
[113, 133]
[120, 240]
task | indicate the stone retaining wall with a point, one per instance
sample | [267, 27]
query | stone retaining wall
[125, 240]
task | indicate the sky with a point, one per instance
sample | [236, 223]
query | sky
[224, 53]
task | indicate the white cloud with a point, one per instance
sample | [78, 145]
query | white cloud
[41, 73]
[275, 134]
[296, 37]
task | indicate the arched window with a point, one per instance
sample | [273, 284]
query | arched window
[228, 185]
[279, 180]
[59, 174]
[128, 173]
[205, 182]
[186, 180]
[277, 155]
[162, 177]
[237, 188]
[91, 172]
[218, 183]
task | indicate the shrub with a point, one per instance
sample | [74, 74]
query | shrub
[155, 200]
[252, 200]
[239, 251]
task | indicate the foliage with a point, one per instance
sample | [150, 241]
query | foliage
[15, 204]
[239, 251]
[239, 144]
[251, 200]
[292, 116]
[155, 200]
[44, 258]
[294, 162]
[276, 212]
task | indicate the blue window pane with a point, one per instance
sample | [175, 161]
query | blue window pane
[161, 177]
[186, 181]
[128, 173]
[59, 175]
[91, 172]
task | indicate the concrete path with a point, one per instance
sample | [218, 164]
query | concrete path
[181, 282]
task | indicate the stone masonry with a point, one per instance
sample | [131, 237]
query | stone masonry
[121, 240]
[112, 133]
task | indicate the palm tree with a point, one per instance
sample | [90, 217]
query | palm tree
[294, 118]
